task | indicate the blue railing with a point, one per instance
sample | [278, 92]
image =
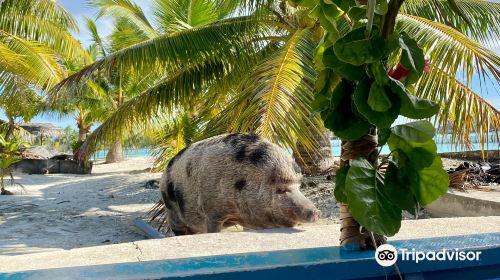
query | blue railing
[315, 263]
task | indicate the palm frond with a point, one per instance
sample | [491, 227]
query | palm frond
[96, 38]
[41, 67]
[275, 99]
[229, 39]
[175, 15]
[128, 11]
[50, 27]
[43, 9]
[478, 19]
[450, 50]
[463, 112]
[125, 35]
[164, 97]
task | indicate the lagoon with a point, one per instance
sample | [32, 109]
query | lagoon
[442, 147]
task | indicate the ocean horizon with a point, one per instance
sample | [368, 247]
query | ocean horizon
[441, 148]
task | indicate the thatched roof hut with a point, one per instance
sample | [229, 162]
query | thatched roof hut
[44, 129]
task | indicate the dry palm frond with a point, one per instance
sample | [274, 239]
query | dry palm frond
[476, 18]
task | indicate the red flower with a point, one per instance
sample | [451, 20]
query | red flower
[398, 72]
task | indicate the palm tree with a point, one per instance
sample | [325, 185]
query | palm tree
[110, 92]
[34, 38]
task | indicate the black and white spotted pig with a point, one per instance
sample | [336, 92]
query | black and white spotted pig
[233, 179]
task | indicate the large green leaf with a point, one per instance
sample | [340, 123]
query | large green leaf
[345, 70]
[412, 58]
[380, 119]
[340, 177]
[431, 183]
[412, 106]
[416, 154]
[367, 200]
[341, 119]
[397, 189]
[355, 49]
[418, 131]
[378, 99]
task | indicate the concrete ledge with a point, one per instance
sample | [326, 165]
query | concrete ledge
[466, 204]
[490, 155]
[233, 243]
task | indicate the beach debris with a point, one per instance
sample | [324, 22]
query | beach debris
[231, 179]
[62, 157]
[472, 175]
[147, 229]
[152, 184]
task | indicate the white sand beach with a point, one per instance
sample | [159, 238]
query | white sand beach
[65, 211]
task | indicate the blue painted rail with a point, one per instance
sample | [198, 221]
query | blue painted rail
[315, 263]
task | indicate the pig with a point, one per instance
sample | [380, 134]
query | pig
[233, 179]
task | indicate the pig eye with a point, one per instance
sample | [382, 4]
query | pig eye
[281, 191]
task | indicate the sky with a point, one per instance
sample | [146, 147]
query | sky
[80, 9]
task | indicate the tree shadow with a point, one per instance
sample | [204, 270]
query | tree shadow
[64, 211]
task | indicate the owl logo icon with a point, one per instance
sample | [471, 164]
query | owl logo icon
[386, 255]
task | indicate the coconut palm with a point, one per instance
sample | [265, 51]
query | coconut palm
[260, 61]
[34, 37]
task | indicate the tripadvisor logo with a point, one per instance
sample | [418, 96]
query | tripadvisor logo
[387, 255]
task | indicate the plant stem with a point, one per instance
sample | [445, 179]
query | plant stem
[390, 17]
[370, 13]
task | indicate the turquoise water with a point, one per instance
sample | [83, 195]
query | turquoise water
[442, 148]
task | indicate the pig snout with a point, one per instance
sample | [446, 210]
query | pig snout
[313, 215]
[304, 209]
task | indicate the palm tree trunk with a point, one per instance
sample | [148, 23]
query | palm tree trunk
[319, 162]
[10, 130]
[82, 132]
[351, 233]
[115, 153]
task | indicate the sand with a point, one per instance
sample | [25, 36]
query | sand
[65, 211]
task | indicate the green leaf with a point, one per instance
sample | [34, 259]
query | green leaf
[381, 7]
[377, 99]
[418, 131]
[393, 42]
[383, 136]
[303, 3]
[331, 10]
[367, 200]
[340, 177]
[422, 157]
[431, 182]
[412, 106]
[341, 119]
[380, 119]
[415, 141]
[355, 49]
[345, 70]
[404, 151]
[379, 73]
[412, 58]
[397, 189]
[326, 22]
